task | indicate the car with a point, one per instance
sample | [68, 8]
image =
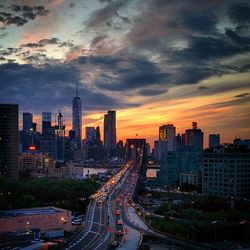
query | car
[37, 241]
[119, 222]
[117, 212]
[119, 232]
[118, 200]
[114, 243]
[120, 205]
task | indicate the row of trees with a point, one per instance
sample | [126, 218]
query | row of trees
[66, 193]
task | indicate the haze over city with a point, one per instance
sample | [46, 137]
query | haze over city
[155, 62]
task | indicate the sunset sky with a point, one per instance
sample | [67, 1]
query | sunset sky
[154, 61]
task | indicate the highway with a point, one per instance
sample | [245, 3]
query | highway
[97, 230]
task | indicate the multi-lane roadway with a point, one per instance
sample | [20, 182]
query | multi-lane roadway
[99, 225]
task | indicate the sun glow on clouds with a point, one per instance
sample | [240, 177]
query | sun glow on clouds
[153, 63]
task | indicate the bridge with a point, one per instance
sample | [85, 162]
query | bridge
[109, 221]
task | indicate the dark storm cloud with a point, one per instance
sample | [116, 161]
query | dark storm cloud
[121, 74]
[44, 42]
[9, 51]
[98, 39]
[242, 95]
[202, 88]
[204, 48]
[203, 22]
[16, 20]
[53, 40]
[239, 12]
[32, 45]
[151, 92]
[49, 87]
[102, 16]
[20, 14]
[232, 103]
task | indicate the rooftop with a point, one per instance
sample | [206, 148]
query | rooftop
[30, 211]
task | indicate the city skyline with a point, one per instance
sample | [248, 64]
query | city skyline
[154, 63]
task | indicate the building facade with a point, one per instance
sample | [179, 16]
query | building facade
[27, 122]
[226, 171]
[110, 133]
[60, 138]
[77, 118]
[194, 137]
[44, 218]
[214, 140]
[9, 140]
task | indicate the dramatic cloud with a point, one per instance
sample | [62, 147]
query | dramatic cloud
[50, 86]
[20, 14]
[166, 55]
[100, 17]
[243, 95]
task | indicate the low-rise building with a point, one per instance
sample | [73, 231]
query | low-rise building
[43, 218]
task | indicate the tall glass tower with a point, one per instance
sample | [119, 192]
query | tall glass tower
[77, 117]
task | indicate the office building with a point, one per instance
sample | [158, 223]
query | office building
[194, 137]
[60, 138]
[9, 140]
[46, 123]
[214, 140]
[226, 171]
[90, 134]
[27, 122]
[110, 133]
[167, 140]
[184, 160]
[77, 118]
[167, 134]
[156, 150]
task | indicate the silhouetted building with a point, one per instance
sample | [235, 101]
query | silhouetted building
[98, 135]
[226, 171]
[60, 138]
[214, 140]
[245, 142]
[156, 150]
[77, 118]
[194, 138]
[110, 133]
[9, 140]
[34, 126]
[27, 122]
[46, 123]
[120, 150]
[72, 134]
[90, 134]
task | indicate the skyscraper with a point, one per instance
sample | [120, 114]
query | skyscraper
[9, 140]
[90, 134]
[110, 133]
[46, 123]
[77, 117]
[214, 140]
[167, 134]
[27, 122]
[60, 138]
[194, 137]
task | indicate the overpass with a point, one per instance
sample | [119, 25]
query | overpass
[107, 218]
